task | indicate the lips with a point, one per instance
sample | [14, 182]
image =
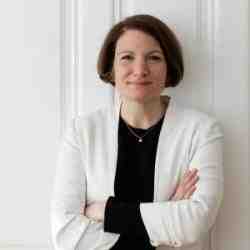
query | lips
[141, 83]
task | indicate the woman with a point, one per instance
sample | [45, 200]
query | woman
[127, 174]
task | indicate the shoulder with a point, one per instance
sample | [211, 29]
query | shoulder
[193, 116]
[198, 122]
[98, 115]
[89, 125]
[96, 120]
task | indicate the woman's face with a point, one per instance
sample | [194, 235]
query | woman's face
[140, 68]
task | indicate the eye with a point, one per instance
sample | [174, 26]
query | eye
[155, 58]
[126, 58]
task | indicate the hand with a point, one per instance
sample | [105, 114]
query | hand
[94, 211]
[186, 187]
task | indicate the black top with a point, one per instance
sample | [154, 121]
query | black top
[134, 183]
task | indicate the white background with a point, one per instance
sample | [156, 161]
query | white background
[30, 120]
[48, 75]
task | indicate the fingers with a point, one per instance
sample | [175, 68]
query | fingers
[192, 180]
[190, 192]
[186, 186]
[189, 175]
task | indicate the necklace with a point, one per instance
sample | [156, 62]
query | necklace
[140, 138]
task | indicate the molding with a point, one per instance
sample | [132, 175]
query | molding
[210, 38]
[117, 10]
[211, 15]
[205, 38]
[72, 20]
[198, 21]
[62, 66]
[68, 60]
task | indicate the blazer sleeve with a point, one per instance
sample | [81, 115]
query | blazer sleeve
[70, 229]
[180, 223]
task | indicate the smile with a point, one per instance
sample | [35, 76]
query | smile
[140, 83]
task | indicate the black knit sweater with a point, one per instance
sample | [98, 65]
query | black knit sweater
[134, 183]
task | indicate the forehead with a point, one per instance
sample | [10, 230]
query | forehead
[136, 39]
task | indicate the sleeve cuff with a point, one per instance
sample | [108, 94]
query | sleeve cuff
[123, 218]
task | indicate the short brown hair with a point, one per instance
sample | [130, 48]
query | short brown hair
[155, 28]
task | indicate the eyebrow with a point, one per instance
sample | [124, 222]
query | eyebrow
[131, 52]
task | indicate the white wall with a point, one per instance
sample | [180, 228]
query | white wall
[45, 81]
[30, 120]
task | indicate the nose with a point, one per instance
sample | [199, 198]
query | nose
[140, 68]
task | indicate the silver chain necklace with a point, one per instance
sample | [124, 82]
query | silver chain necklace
[140, 138]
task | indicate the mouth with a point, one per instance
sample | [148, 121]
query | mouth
[144, 83]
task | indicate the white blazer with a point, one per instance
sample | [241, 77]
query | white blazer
[86, 172]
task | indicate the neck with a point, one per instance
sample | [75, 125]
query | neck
[143, 115]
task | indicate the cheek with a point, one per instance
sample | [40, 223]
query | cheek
[120, 74]
[160, 74]
[119, 78]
